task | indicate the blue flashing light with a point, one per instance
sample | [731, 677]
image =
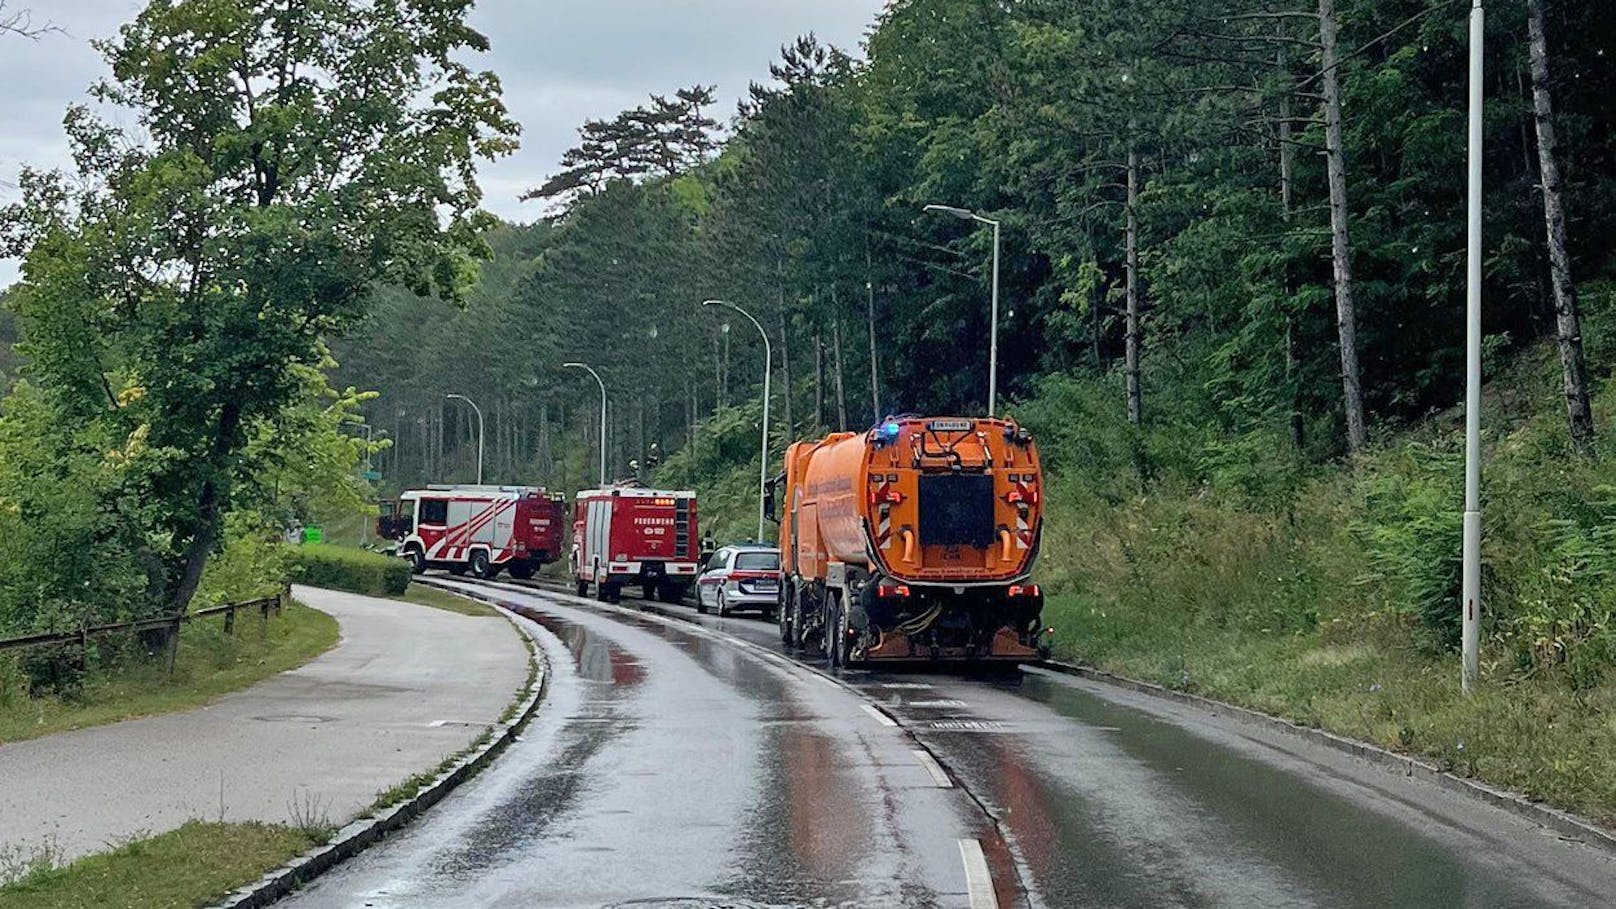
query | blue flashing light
[890, 432]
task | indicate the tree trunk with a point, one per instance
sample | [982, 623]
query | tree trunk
[841, 390]
[1135, 397]
[785, 366]
[819, 381]
[1287, 200]
[209, 513]
[1340, 243]
[869, 309]
[1568, 320]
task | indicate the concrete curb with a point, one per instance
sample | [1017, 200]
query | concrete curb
[1561, 822]
[366, 832]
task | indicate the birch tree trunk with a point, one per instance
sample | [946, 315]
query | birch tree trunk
[1135, 396]
[1568, 320]
[1340, 242]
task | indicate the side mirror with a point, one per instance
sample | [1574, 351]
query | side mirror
[768, 505]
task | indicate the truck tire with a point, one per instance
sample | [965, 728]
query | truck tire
[522, 570]
[583, 588]
[480, 565]
[833, 630]
[785, 616]
[417, 560]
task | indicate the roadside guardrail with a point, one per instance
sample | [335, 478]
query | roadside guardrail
[264, 606]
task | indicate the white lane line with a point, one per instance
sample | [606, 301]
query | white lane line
[938, 775]
[978, 882]
[880, 717]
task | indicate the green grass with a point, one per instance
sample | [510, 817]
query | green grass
[195, 865]
[210, 664]
[1536, 736]
[438, 598]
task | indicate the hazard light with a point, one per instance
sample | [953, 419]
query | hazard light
[891, 591]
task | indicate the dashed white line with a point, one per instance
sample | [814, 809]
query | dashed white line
[978, 881]
[880, 717]
[938, 775]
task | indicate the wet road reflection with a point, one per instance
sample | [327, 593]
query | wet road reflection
[672, 768]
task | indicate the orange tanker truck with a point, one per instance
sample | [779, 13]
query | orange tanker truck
[912, 541]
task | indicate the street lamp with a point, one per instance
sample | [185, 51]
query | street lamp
[768, 370]
[965, 214]
[601, 382]
[479, 412]
[1470, 626]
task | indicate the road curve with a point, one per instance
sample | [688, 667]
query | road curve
[670, 767]
[686, 762]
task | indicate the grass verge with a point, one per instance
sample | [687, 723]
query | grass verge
[438, 598]
[195, 865]
[210, 664]
[1532, 735]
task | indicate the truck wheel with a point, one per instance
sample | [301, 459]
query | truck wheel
[480, 566]
[416, 559]
[648, 593]
[522, 570]
[833, 630]
[583, 588]
[785, 618]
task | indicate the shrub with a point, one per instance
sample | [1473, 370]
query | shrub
[353, 570]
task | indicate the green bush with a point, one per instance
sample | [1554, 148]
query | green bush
[353, 570]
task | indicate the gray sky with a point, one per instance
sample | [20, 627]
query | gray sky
[562, 61]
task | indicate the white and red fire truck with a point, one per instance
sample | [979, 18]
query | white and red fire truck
[626, 535]
[481, 529]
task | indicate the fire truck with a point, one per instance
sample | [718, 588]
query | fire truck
[913, 541]
[480, 529]
[623, 535]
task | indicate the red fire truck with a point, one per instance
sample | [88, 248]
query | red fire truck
[626, 535]
[481, 529]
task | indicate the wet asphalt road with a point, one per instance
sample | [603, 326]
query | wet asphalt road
[684, 762]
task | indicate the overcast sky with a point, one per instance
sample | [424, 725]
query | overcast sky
[562, 61]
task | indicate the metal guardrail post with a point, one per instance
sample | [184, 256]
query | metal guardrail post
[230, 621]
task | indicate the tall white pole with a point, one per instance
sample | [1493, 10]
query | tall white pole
[479, 411]
[768, 372]
[1471, 631]
[602, 383]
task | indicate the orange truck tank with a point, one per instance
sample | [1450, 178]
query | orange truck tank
[913, 541]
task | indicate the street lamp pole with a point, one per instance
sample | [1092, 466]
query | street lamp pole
[1471, 627]
[602, 383]
[768, 371]
[479, 412]
[965, 214]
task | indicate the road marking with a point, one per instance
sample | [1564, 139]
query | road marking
[905, 685]
[880, 717]
[939, 703]
[938, 775]
[978, 881]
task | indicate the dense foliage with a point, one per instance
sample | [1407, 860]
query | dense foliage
[179, 284]
[810, 215]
